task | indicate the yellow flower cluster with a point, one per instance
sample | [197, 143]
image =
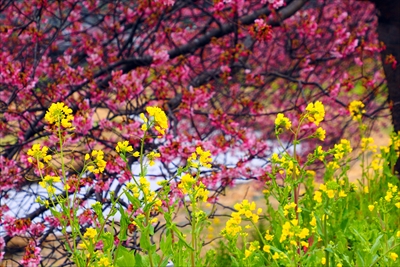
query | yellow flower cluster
[99, 164]
[149, 194]
[123, 147]
[367, 143]
[330, 189]
[342, 149]
[282, 121]
[89, 238]
[158, 119]
[37, 153]
[203, 157]
[392, 190]
[356, 109]
[291, 229]
[188, 186]
[246, 209]
[134, 188]
[105, 262]
[289, 207]
[47, 183]
[254, 246]
[152, 156]
[320, 133]
[286, 163]
[59, 114]
[187, 182]
[316, 112]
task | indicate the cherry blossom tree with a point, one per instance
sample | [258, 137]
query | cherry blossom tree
[221, 70]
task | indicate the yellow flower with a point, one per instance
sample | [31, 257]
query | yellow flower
[339, 265]
[283, 121]
[275, 256]
[388, 196]
[267, 248]
[151, 156]
[323, 261]
[342, 194]
[160, 119]
[123, 147]
[247, 253]
[304, 244]
[319, 153]
[318, 196]
[397, 205]
[201, 192]
[313, 222]
[104, 262]
[268, 237]
[254, 218]
[367, 143]
[204, 158]
[98, 161]
[304, 233]
[371, 207]
[366, 189]
[90, 233]
[320, 134]
[398, 234]
[356, 109]
[254, 246]
[316, 112]
[39, 154]
[333, 165]
[394, 256]
[59, 114]
[186, 183]
[331, 193]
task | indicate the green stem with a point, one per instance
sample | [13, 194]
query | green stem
[326, 237]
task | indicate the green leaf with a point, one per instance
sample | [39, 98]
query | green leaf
[124, 225]
[235, 263]
[134, 201]
[127, 258]
[166, 244]
[141, 260]
[180, 236]
[377, 245]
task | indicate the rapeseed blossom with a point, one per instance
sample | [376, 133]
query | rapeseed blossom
[320, 133]
[59, 114]
[123, 147]
[367, 143]
[48, 181]
[39, 154]
[371, 207]
[203, 157]
[356, 109]
[159, 118]
[151, 156]
[393, 256]
[99, 164]
[90, 233]
[283, 121]
[316, 112]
